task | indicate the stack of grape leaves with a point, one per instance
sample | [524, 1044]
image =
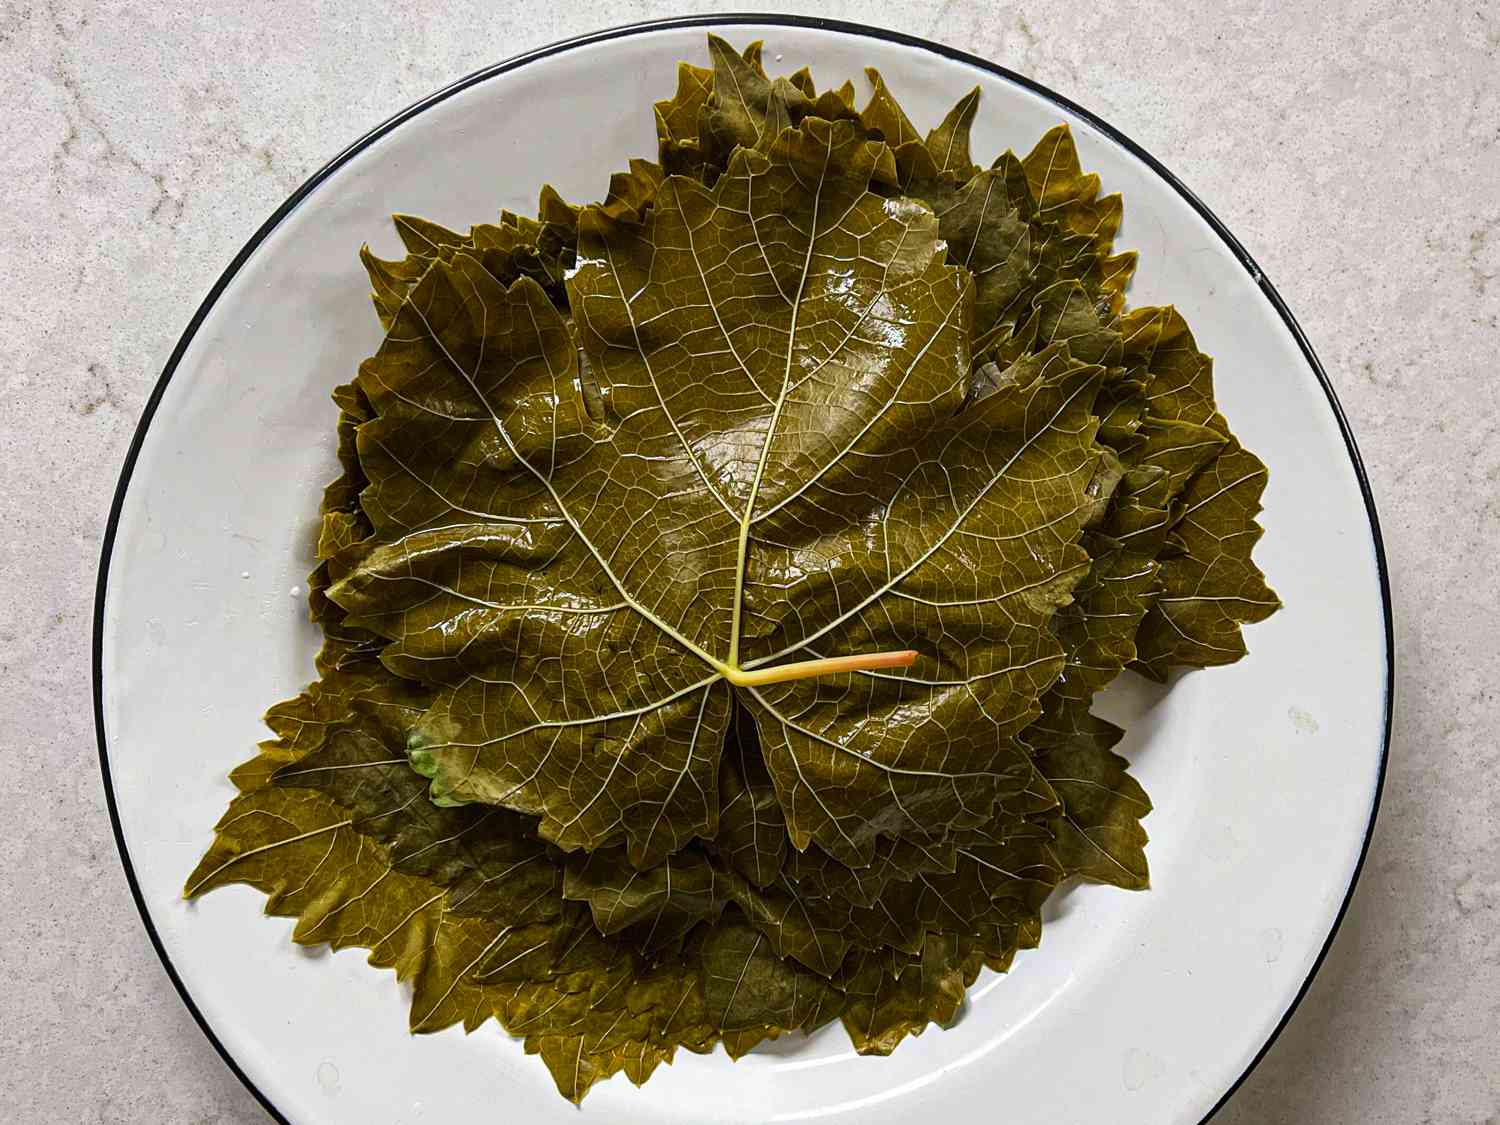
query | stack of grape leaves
[627, 491]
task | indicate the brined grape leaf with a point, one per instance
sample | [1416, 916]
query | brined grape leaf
[1098, 829]
[543, 249]
[816, 874]
[988, 881]
[1209, 584]
[342, 531]
[302, 851]
[882, 1006]
[677, 121]
[735, 104]
[747, 987]
[752, 837]
[519, 543]
[1069, 196]
[948, 144]
[656, 908]
[490, 859]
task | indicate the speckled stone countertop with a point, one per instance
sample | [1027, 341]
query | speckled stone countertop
[1353, 147]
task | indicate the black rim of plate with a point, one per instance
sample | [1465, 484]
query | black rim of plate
[807, 22]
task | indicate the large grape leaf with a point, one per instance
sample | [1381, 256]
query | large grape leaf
[786, 429]
[1099, 628]
[493, 867]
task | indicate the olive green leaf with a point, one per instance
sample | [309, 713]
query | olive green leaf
[948, 144]
[883, 1007]
[543, 249]
[576, 1064]
[763, 390]
[1209, 584]
[302, 851]
[736, 105]
[987, 225]
[1099, 630]
[656, 908]
[489, 859]
[1099, 834]
[1068, 195]
[745, 108]
[677, 121]
[816, 874]
[342, 532]
[746, 986]
[929, 169]
[752, 835]
[988, 881]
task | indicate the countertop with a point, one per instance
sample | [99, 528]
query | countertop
[1353, 147]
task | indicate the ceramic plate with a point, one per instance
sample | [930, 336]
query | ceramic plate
[1142, 1007]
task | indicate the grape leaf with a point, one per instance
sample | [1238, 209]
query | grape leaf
[1209, 584]
[656, 908]
[882, 1007]
[747, 987]
[804, 346]
[752, 835]
[1098, 830]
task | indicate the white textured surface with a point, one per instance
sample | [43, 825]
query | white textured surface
[1354, 154]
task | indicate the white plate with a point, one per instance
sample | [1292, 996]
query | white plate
[1138, 1007]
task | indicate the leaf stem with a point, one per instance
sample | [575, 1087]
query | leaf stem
[827, 666]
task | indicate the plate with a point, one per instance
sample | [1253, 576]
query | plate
[1138, 1008]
